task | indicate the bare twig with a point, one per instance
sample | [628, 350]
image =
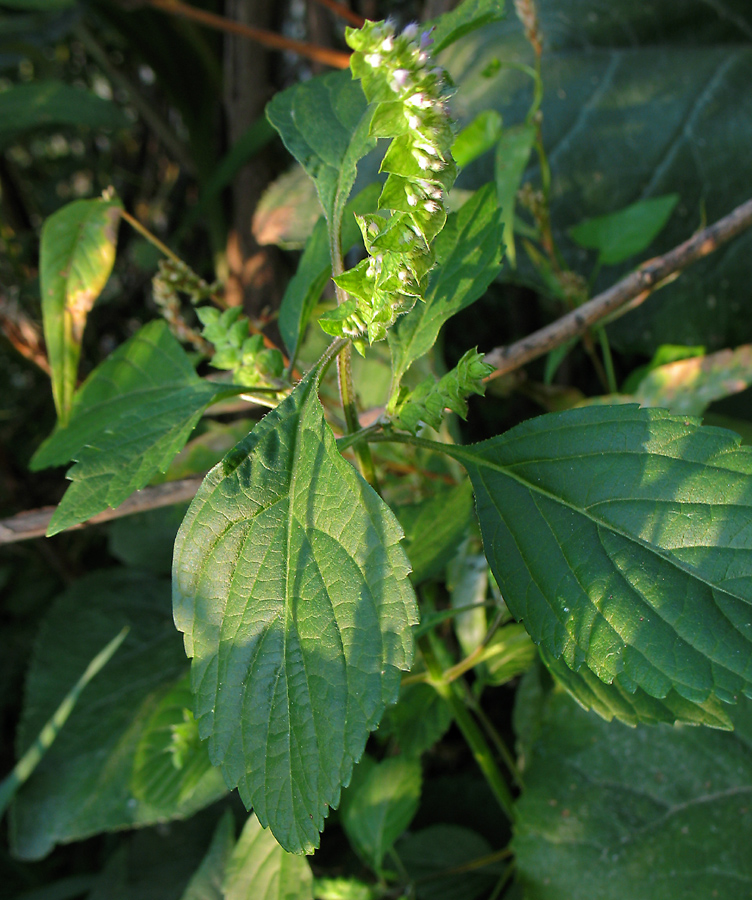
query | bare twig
[33, 523]
[334, 58]
[339, 9]
[623, 296]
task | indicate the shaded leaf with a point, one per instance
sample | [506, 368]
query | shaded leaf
[84, 783]
[76, 256]
[382, 807]
[206, 881]
[620, 235]
[292, 591]
[54, 103]
[624, 71]
[419, 719]
[512, 155]
[468, 16]
[260, 869]
[145, 540]
[621, 537]
[469, 258]
[613, 812]
[434, 529]
[430, 856]
[611, 701]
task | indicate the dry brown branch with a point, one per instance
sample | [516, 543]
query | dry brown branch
[334, 58]
[623, 296]
[339, 9]
[33, 523]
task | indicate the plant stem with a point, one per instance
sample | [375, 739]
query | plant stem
[469, 728]
[151, 238]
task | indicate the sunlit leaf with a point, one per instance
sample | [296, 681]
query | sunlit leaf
[512, 155]
[622, 538]
[292, 592]
[77, 254]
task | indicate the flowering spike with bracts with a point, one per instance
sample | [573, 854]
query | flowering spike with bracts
[409, 95]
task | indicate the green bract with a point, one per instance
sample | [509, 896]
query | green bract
[409, 94]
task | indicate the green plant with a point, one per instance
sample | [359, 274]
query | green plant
[617, 535]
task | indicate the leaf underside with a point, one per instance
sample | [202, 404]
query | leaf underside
[291, 588]
[622, 537]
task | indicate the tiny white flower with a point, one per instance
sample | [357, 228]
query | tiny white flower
[412, 200]
[413, 122]
[387, 45]
[410, 32]
[431, 207]
[373, 60]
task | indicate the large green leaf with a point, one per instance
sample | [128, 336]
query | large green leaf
[259, 869]
[76, 256]
[610, 812]
[325, 124]
[292, 591]
[85, 783]
[381, 807]
[132, 416]
[642, 98]
[622, 538]
[468, 255]
[469, 15]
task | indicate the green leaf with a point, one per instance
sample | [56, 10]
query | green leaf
[52, 104]
[129, 420]
[145, 540]
[315, 269]
[418, 720]
[469, 258]
[76, 256]
[468, 16]
[477, 138]
[325, 124]
[382, 807]
[171, 765]
[260, 869]
[621, 71]
[507, 655]
[434, 529]
[431, 855]
[206, 882]
[614, 812]
[621, 537]
[292, 591]
[42, 5]
[31, 759]
[627, 232]
[512, 154]
[84, 784]
[611, 701]
[689, 386]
